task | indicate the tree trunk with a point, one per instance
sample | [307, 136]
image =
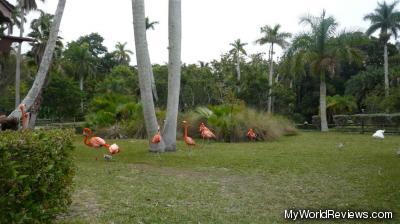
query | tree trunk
[18, 63]
[36, 106]
[386, 68]
[144, 69]
[238, 66]
[271, 73]
[45, 62]
[174, 73]
[322, 104]
[81, 88]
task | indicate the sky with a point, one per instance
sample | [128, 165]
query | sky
[208, 26]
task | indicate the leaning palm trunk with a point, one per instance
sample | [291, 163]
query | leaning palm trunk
[386, 69]
[271, 73]
[322, 104]
[37, 85]
[153, 87]
[144, 69]
[174, 73]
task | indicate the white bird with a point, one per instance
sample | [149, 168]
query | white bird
[398, 152]
[340, 145]
[379, 134]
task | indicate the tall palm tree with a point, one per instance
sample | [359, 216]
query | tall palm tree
[145, 70]
[40, 78]
[40, 33]
[235, 51]
[386, 18]
[24, 6]
[174, 72]
[272, 36]
[323, 52]
[122, 54]
[150, 25]
[81, 63]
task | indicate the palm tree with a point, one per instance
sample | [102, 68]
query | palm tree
[235, 51]
[323, 52]
[37, 85]
[174, 73]
[387, 19]
[122, 54]
[81, 62]
[150, 25]
[272, 36]
[145, 71]
[25, 6]
[40, 33]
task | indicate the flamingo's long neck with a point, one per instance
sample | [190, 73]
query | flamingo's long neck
[86, 139]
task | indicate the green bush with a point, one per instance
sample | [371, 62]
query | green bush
[231, 123]
[36, 175]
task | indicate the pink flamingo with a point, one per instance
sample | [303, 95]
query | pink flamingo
[206, 133]
[188, 140]
[24, 116]
[157, 138]
[251, 135]
[97, 142]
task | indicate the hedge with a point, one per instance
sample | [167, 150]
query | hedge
[36, 175]
[362, 119]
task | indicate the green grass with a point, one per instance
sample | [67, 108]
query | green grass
[237, 183]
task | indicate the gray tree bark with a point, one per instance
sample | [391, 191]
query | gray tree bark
[174, 73]
[322, 104]
[386, 69]
[45, 63]
[271, 73]
[145, 69]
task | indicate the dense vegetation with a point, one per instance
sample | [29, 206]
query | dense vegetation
[36, 175]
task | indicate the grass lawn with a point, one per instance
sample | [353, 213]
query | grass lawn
[237, 183]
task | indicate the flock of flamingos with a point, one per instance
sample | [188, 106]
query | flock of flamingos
[96, 142]
[206, 133]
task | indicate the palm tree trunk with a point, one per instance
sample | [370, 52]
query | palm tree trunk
[271, 72]
[174, 73]
[81, 88]
[18, 62]
[322, 104]
[386, 69]
[238, 66]
[144, 69]
[45, 62]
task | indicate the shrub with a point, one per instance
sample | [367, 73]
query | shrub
[231, 122]
[36, 175]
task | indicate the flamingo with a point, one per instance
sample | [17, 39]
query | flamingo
[188, 140]
[206, 133]
[97, 142]
[157, 138]
[251, 135]
[24, 116]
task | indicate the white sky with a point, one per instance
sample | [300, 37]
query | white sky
[208, 25]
